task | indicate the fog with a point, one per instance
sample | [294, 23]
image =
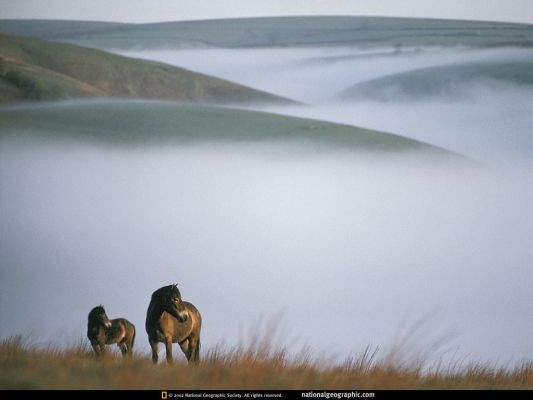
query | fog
[314, 75]
[348, 250]
[344, 250]
[484, 118]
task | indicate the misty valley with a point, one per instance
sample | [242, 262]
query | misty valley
[473, 101]
[370, 183]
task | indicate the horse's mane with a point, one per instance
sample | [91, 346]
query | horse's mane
[158, 294]
[97, 310]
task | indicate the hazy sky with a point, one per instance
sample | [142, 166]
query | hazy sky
[165, 10]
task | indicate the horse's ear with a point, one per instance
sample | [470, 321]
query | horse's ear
[175, 285]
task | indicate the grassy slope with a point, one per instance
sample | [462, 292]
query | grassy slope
[279, 31]
[443, 80]
[31, 68]
[52, 29]
[24, 367]
[132, 123]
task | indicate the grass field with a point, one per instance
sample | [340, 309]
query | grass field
[278, 32]
[258, 366]
[444, 80]
[130, 123]
[34, 69]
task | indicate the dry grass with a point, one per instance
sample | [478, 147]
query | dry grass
[256, 366]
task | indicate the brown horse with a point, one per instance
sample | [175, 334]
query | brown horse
[171, 320]
[102, 331]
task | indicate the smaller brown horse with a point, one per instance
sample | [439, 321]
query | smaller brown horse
[102, 331]
[171, 320]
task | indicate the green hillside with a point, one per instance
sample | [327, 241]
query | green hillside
[34, 69]
[444, 80]
[134, 123]
[279, 31]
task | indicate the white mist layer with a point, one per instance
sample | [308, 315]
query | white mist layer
[487, 120]
[313, 75]
[348, 248]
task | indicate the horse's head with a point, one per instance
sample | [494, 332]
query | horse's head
[173, 304]
[98, 316]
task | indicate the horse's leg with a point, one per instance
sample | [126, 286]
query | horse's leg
[96, 348]
[131, 341]
[168, 347]
[194, 349]
[154, 344]
[123, 347]
[102, 349]
[185, 347]
[129, 347]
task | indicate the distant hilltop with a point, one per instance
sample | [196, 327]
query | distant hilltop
[278, 32]
[35, 69]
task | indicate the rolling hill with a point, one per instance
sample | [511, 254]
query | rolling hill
[278, 32]
[35, 69]
[134, 123]
[443, 80]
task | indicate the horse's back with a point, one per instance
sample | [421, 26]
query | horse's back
[120, 329]
[129, 330]
[124, 322]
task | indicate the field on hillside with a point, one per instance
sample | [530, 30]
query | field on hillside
[442, 81]
[34, 69]
[279, 32]
[259, 367]
[142, 123]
